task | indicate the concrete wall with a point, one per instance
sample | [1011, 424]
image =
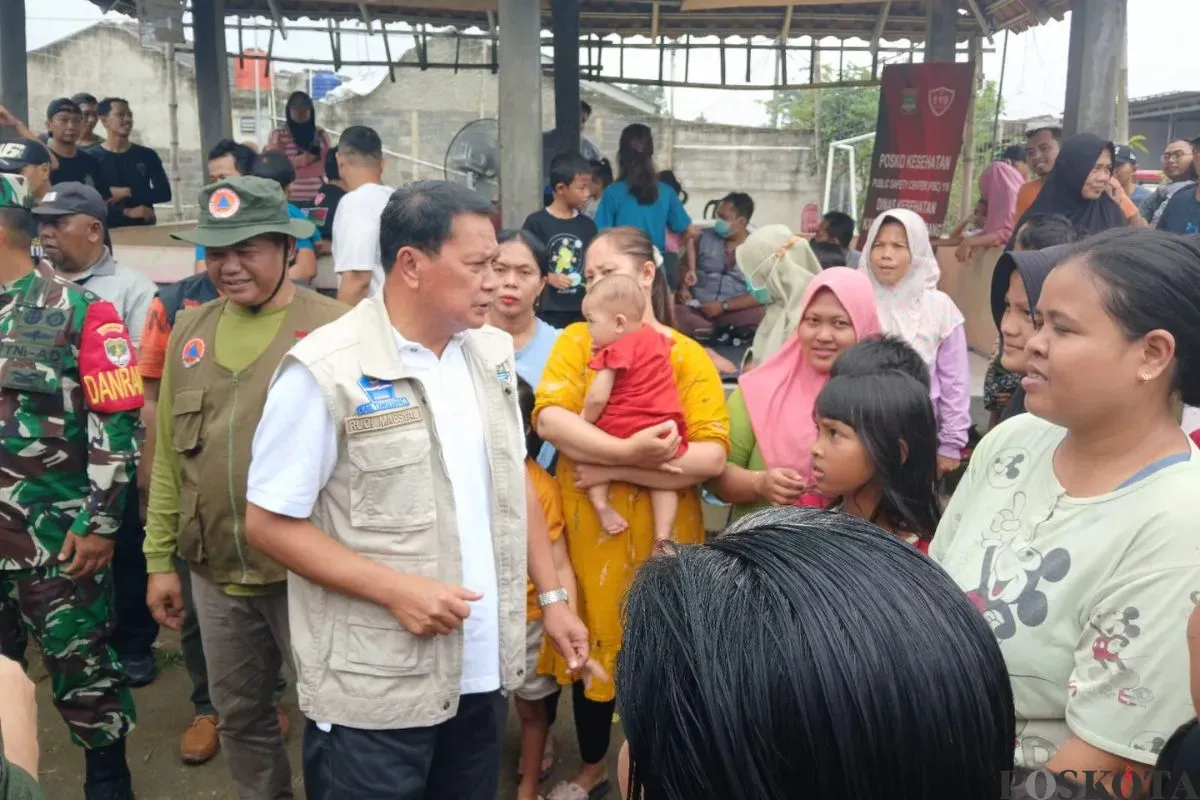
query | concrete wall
[419, 114]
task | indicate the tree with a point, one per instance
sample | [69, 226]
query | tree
[654, 95]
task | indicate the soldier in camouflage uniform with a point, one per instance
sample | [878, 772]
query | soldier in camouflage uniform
[69, 400]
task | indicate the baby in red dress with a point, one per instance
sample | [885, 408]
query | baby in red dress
[634, 387]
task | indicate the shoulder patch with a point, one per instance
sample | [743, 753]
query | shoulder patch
[107, 362]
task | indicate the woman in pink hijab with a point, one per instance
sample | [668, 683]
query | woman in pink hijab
[771, 412]
[998, 187]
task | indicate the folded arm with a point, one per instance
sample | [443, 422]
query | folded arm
[702, 461]
[579, 439]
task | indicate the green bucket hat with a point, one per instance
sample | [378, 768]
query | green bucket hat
[240, 208]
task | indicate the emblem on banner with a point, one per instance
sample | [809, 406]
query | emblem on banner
[908, 101]
[940, 100]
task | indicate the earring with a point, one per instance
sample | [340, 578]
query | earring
[1144, 377]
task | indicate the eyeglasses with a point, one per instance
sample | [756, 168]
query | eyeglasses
[1175, 155]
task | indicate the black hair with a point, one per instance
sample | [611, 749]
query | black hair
[602, 170]
[274, 165]
[361, 141]
[668, 177]
[841, 227]
[243, 155]
[585, 107]
[742, 203]
[829, 254]
[763, 696]
[1046, 230]
[541, 255]
[1055, 131]
[526, 398]
[331, 167]
[893, 416]
[882, 352]
[104, 107]
[1151, 280]
[421, 214]
[566, 167]
[1015, 152]
[16, 224]
[83, 98]
[635, 159]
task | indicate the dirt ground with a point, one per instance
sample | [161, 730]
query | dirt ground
[163, 712]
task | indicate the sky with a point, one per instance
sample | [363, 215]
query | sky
[1160, 35]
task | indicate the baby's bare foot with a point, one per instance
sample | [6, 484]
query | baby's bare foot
[613, 522]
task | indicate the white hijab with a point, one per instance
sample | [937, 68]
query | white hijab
[913, 309]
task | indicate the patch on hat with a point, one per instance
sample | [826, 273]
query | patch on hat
[193, 351]
[49, 197]
[224, 203]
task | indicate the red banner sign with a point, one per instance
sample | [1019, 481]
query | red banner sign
[922, 108]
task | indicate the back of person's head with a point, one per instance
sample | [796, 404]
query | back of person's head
[764, 696]
[1150, 281]
[892, 415]
[1016, 153]
[566, 167]
[829, 254]
[1040, 231]
[535, 246]
[526, 397]
[274, 165]
[243, 155]
[331, 165]
[882, 353]
[359, 144]
[669, 177]
[617, 294]
[841, 227]
[602, 171]
[420, 216]
[105, 106]
[635, 160]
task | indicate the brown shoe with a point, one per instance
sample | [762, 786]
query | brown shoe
[200, 741]
[284, 725]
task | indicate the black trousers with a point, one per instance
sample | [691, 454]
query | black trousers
[136, 629]
[593, 724]
[457, 760]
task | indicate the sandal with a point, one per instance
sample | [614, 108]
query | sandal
[547, 765]
[573, 791]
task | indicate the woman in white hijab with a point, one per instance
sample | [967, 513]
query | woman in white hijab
[778, 266]
[903, 269]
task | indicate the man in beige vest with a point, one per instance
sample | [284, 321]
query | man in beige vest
[219, 363]
[387, 476]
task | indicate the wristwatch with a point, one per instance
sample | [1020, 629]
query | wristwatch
[558, 595]
[725, 306]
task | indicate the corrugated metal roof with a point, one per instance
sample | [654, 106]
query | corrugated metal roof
[906, 20]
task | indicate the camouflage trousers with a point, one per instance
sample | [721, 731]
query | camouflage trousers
[71, 622]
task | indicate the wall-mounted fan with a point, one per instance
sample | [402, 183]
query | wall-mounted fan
[473, 158]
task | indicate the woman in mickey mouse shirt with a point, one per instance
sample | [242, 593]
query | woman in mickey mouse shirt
[1071, 531]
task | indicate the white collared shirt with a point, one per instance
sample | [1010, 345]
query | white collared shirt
[295, 451]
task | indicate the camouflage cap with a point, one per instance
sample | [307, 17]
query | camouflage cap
[240, 208]
[14, 192]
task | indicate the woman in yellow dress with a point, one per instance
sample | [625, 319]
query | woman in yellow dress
[605, 564]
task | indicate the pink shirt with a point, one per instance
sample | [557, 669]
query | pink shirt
[309, 176]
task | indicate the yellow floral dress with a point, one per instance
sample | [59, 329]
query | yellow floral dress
[605, 565]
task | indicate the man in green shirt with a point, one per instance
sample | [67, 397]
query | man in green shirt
[219, 363]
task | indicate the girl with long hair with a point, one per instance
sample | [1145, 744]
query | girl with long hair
[638, 198]
[876, 452]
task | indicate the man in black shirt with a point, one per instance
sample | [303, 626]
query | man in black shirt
[134, 173]
[30, 159]
[65, 122]
[87, 107]
[326, 202]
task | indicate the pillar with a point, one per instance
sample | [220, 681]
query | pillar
[14, 79]
[941, 30]
[212, 73]
[520, 110]
[566, 73]
[1093, 64]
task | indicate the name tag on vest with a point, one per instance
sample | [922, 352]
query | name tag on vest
[380, 422]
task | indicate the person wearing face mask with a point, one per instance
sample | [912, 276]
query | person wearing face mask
[718, 296]
[219, 363]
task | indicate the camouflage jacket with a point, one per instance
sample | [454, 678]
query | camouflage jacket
[69, 397]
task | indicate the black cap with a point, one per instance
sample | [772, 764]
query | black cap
[71, 197]
[22, 153]
[1123, 154]
[62, 104]
[1014, 152]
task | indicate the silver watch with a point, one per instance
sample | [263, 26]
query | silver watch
[558, 595]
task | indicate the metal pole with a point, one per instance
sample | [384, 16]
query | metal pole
[565, 18]
[14, 79]
[828, 178]
[1000, 93]
[967, 190]
[521, 110]
[257, 96]
[1123, 88]
[173, 118]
